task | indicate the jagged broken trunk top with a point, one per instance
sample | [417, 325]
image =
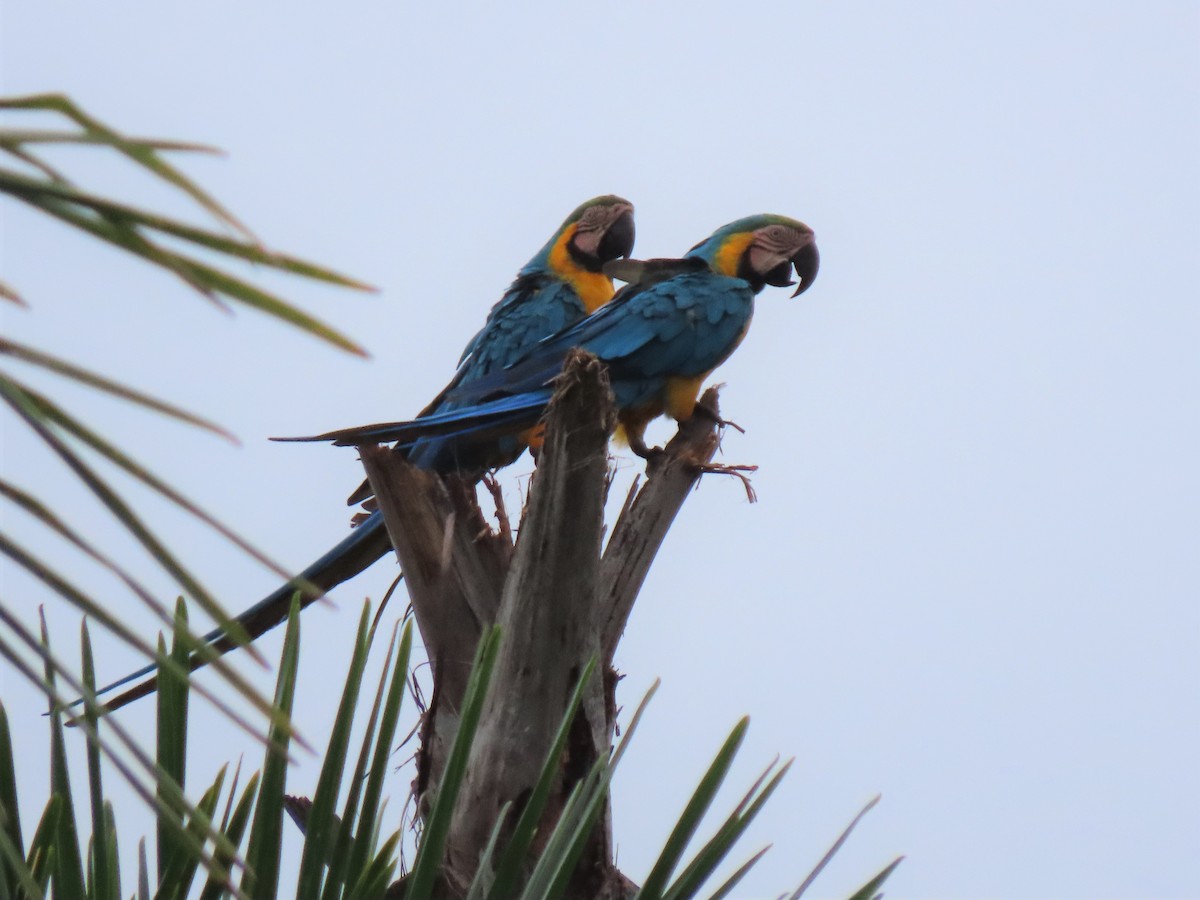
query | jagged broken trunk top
[559, 601]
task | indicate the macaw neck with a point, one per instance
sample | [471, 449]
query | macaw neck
[727, 258]
[593, 288]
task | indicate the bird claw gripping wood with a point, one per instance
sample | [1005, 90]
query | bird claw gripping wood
[703, 467]
[497, 492]
[713, 416]
[656, 458]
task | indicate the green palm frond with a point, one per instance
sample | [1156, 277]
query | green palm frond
[134, 229]
[427, 865]
[69, 370]
[32, 180]
[870, 890]
[348, 856]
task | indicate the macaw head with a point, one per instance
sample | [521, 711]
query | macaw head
[597, 232]
[763, 250]
[603, 231]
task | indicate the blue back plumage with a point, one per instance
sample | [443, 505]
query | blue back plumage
[536, 304]
[680, 327]
[659, 337]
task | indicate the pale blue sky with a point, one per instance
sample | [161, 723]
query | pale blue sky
[971, 580]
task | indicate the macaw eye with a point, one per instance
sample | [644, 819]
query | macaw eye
[781, 275]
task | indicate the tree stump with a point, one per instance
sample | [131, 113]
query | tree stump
[559, 597]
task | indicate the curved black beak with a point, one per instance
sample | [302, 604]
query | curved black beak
[618, 239]
[806, 262]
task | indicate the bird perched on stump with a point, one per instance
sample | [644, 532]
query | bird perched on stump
[563, 283]
[660, 338]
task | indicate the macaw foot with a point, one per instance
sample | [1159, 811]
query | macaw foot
[715, 417]
[741, 472]
[654, 456]
[493, 487]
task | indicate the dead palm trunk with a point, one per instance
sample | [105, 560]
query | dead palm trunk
[559, 600]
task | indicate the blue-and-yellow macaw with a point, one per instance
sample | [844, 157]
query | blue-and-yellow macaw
[660, 338]
[562, 284]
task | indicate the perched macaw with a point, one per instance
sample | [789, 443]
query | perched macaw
[562, 284]
[660, 338]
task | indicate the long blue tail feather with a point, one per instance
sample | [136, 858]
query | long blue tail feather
[504, 413]
[362, 547]
[436, 436]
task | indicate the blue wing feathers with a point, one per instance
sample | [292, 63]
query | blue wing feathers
[684, 326]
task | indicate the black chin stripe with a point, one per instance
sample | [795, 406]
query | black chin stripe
[583, 260]
[746, 272]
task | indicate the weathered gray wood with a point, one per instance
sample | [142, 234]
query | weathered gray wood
[454, 566]
[558, 601]
[547, 620]
[646, 518]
